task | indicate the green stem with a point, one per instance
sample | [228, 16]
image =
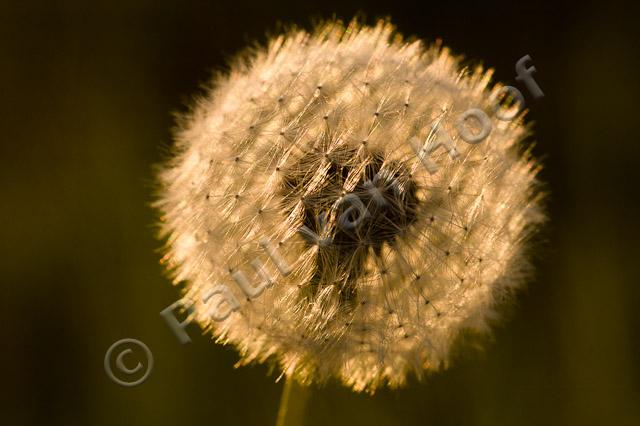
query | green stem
[293, 403]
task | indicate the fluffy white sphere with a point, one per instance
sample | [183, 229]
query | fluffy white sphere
[324, 211]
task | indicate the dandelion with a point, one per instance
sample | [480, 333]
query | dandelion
[345, 203]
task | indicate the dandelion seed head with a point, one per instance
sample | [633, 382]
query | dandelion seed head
[303, 148]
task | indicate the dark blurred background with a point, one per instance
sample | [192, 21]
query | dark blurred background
[87, 91]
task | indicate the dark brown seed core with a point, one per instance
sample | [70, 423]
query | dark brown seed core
[381, 207]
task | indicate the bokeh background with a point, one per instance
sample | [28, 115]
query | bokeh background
[87, 91]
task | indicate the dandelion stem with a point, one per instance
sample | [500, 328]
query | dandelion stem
[292, 404]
